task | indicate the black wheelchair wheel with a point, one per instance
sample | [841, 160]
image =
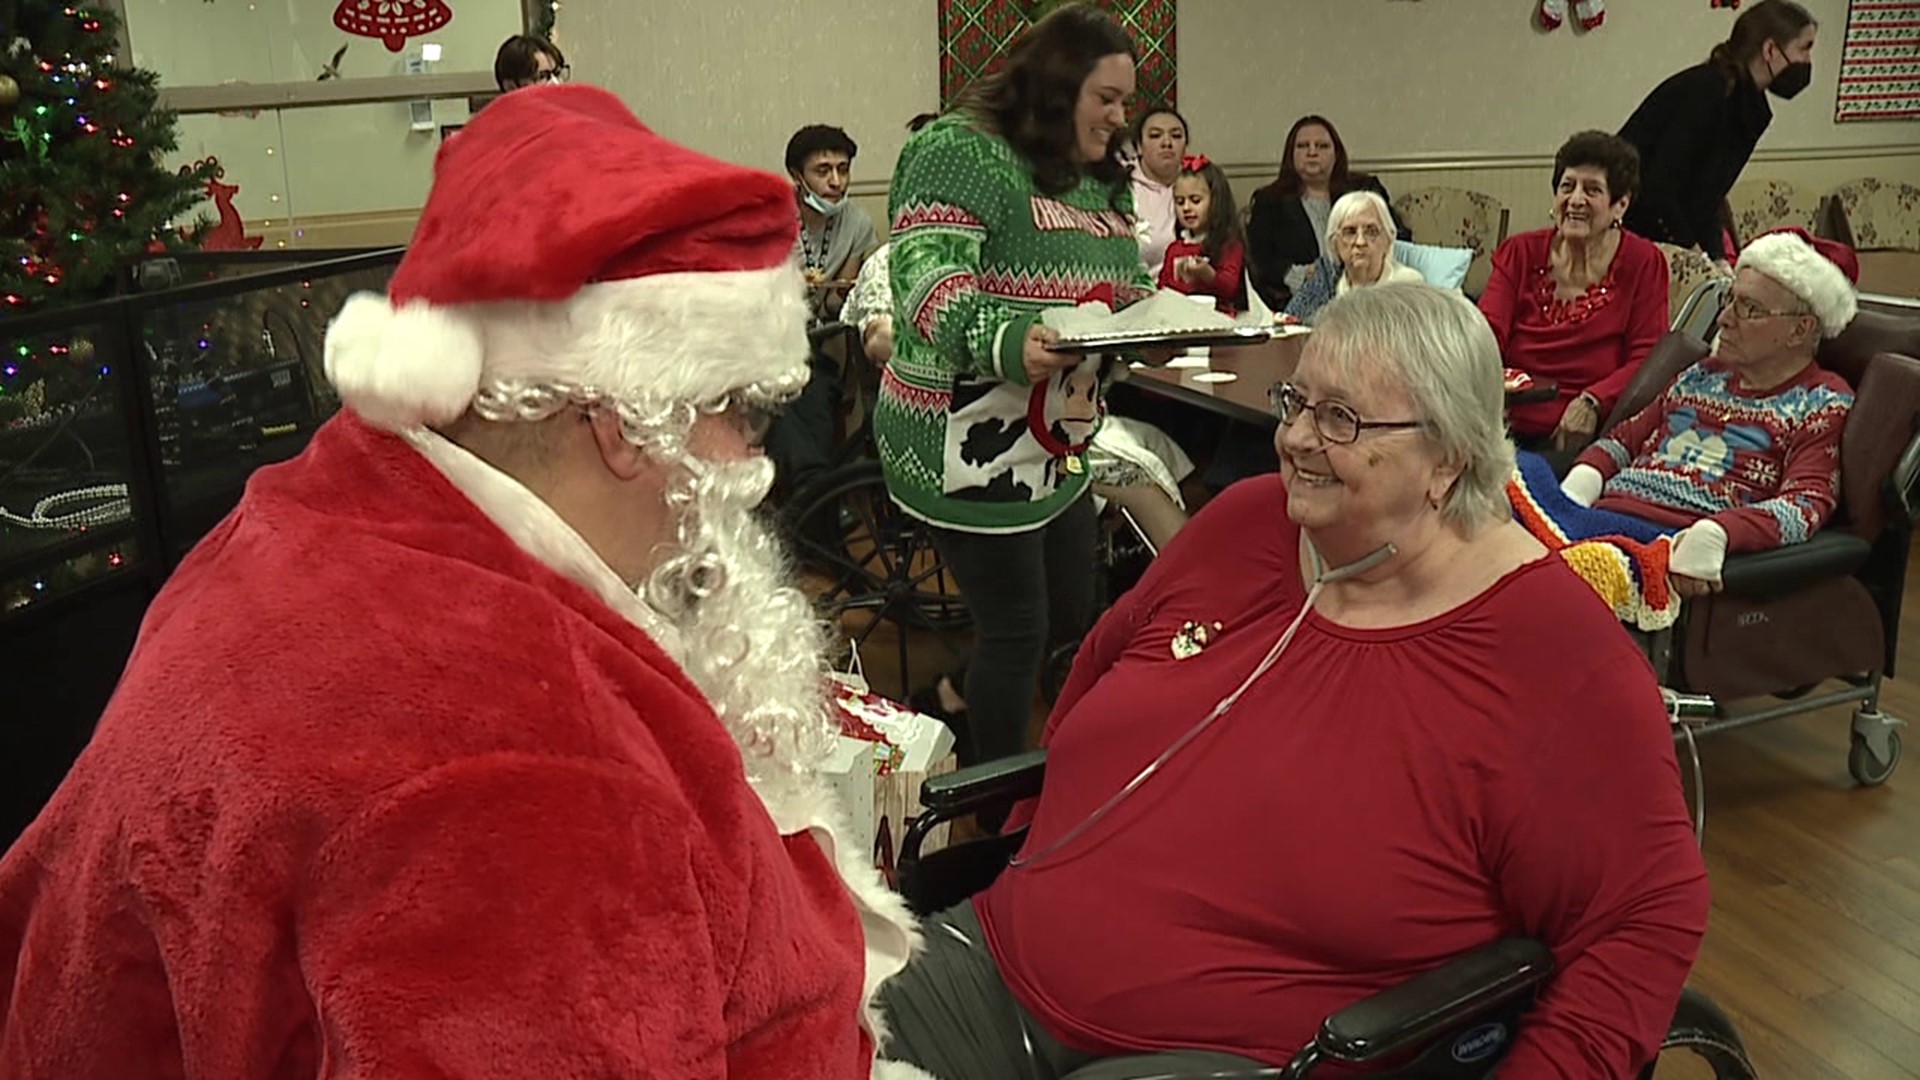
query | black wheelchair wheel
[1703, 1029]
[878, 564]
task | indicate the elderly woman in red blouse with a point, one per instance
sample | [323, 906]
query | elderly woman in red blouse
[1581, 303]
[1378, 726]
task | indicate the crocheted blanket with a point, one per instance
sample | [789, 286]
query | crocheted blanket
[1623, 558]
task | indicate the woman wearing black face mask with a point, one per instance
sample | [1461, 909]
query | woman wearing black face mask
[1697, 129]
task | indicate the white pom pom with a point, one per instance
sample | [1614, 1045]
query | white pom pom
[406, 367]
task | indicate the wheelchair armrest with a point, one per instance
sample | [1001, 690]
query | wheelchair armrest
[818, 336]
[1761, 574]
[1403, 1017]
[1003, 782]
[1903, 487]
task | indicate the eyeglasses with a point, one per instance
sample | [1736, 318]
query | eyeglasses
[1350, 233]
[1335, 422]
[1746, 310]
[554, 75]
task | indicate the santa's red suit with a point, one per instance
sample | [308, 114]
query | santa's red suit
[401, 780]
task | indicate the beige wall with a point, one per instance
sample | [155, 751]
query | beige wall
[1463, 93]
[736, 79]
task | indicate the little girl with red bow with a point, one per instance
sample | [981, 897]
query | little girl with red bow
[1209, 258]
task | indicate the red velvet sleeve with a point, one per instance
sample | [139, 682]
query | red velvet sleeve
[1647, 322]
[1500, 303]
[514, 916]
[1595, 856]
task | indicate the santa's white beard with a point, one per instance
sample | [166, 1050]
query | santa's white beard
[749, 638]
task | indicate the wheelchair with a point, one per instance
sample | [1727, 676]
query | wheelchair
[877, 564]
[1455, 1022]
[1791, 619]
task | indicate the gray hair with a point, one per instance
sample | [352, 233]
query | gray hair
[1352, 205]
[1437, 346]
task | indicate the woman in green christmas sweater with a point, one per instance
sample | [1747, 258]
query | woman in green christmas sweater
[1014, 203]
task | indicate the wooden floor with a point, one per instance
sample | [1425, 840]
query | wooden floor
[1814, 946]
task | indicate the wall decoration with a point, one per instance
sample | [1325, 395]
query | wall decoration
[229, 233]
[1880, 62]
[392, 21]
[1590, 13]
[975, 34]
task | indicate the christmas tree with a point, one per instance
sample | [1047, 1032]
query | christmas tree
[82, 191]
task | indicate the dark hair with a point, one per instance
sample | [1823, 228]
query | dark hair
[922, 120]
[1223, 217]
[1139, 129]
[1031, 100]
[1287, 184]
[818, 139]
[1778, 21]
[1610, 154]
[519, 59]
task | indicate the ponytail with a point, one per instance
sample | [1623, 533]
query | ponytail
[1778, 21]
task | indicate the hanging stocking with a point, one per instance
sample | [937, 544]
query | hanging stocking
[1725, 3]
[1552, 13]
[1591, 13]
[392, 21]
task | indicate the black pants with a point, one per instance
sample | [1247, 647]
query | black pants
[1026, 591]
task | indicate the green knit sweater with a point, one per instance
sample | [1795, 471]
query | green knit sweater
[977, 254]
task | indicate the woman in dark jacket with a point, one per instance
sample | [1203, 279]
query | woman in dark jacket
[1697, 129]
[1288, 217]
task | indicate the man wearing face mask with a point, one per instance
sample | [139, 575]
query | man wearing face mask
[835, 235]
[1697, 129]
[835, 238]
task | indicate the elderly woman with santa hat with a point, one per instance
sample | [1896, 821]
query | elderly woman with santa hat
[480, 739]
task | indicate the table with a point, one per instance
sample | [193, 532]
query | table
[1255, 368]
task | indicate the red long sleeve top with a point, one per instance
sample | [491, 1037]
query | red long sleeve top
[1593, 343]
[1229, 274]
[1764, 465]
[1379, 802]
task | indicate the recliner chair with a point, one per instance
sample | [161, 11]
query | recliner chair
[1454, 1022]
[1828, 608]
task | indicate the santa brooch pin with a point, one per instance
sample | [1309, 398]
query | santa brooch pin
[1193, 638]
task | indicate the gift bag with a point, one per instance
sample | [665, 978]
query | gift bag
[885, 752]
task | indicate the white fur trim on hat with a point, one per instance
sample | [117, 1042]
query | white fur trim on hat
[403, 367]
[662, 338]
[1807, 274]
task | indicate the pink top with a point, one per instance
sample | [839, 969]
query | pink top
[1153, 206]
[1379, 802]
[1594, 342]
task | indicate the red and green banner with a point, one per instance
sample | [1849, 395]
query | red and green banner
[975, 35]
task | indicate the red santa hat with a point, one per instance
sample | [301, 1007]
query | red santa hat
[1820, 272]
[564, 242]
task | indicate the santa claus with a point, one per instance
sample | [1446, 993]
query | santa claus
[478, 740]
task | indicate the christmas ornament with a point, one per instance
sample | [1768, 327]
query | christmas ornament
[9, 92]
[392, 21]
[1591, 13]
[1192, 639]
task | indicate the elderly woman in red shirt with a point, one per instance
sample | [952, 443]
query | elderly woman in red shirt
[1581, 303]
[1378, 726]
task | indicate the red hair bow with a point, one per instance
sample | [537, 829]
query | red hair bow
[1194, 163]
